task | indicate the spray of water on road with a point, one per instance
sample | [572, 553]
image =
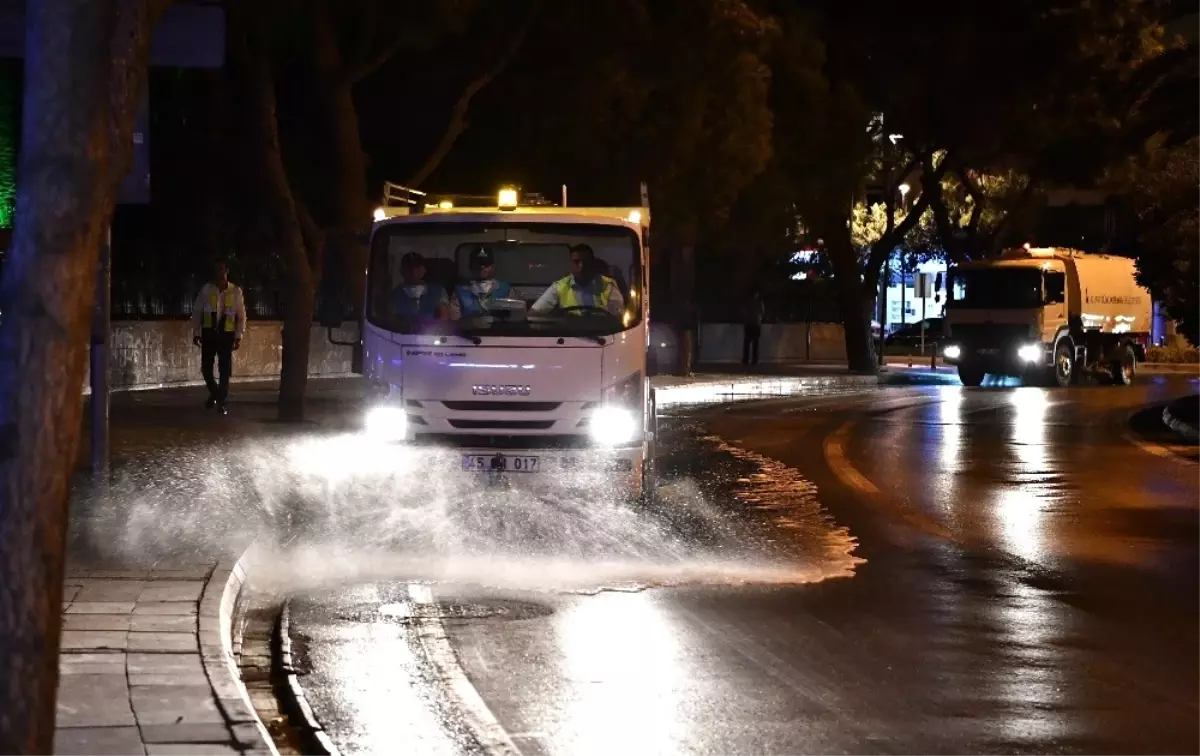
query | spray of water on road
[330, 510]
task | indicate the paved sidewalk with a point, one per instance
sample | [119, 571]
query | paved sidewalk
[132, 677]
[133, 674]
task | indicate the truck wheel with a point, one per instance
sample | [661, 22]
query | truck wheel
[1063, 371]
[969, 374]
[1125, 367]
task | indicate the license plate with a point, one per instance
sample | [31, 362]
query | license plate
[988, 351]
[485, 463]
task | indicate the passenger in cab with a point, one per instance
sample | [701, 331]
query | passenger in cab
[584, 288]
[415, 298]
[474, 298]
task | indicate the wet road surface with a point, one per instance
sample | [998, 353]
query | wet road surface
[1029, 585]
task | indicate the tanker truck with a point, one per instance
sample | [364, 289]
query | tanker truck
[1048, 315]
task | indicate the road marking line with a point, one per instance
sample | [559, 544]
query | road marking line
[835, 456]
[483, 724]
[1178, 453]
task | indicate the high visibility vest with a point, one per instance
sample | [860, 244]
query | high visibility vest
[229, 319]
[601, 287]
[470, 304]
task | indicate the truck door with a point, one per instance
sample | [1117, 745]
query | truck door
[1055, 309]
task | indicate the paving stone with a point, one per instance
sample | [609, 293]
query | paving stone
[165, 607]
[208, 732]
[110, 590]
[163, 623]
[100, 607]
[125, 573]
[163, 664]
[77, 663]
[173, 590]
[93, 701]
[98, 741]
[151, 641]
[190, 749]
[174, 704]
[96, 622]
[87, 640]
[189, 573]
[168, 678]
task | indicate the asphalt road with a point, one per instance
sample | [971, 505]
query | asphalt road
[925, 569]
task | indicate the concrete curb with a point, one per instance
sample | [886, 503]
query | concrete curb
[1187, 430]
[217, 605]
[319, 740]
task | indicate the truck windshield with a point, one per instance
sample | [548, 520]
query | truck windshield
[527, 259]
[995, 288]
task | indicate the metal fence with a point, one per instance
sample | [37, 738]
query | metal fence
[139, 298]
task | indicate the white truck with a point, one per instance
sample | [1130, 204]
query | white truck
[1048, 315]
[536, 399]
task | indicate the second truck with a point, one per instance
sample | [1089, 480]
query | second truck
[1048, 315]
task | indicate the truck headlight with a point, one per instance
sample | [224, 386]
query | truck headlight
[1030, 353]
[952, 352]
[611, 426]
[386, 423]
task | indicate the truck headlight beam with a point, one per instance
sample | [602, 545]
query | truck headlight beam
[1030, 353]
[386, 424]
[952, 352]
[611, 426]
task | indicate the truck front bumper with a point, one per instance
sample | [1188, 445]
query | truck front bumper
[574, 469]
[1012, 359]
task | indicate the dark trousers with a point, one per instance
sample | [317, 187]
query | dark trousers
[220, 346]
[750, 336]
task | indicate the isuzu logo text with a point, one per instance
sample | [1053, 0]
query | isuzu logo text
[505, 390]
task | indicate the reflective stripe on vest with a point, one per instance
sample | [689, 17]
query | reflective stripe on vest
[211, 311]
[601, 287]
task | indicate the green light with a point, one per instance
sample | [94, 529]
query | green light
[10, 125]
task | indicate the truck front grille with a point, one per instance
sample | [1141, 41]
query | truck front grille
[493, 406]
[500, 424]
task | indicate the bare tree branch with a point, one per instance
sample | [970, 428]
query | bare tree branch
[886, 243]
[458, 116]
[362, 63]
[368, 19]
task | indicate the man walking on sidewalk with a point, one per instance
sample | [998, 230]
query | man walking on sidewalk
[218, 321]
[752, 319]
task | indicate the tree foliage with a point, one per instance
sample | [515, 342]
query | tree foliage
[1162, 184]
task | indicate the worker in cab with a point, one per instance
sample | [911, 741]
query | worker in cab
[585, 289]
[474, 298]
[416, 299]
[218, 322]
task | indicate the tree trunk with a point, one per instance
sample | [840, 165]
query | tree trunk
[856, 299]
[85, 63]
[249, 37]
[349, 208]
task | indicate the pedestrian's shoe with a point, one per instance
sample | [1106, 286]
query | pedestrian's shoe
[210, 403]
[222, 408]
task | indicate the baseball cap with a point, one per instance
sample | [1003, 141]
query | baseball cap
[481, 256]
[412, 260]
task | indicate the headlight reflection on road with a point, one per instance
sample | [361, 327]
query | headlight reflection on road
[621, 658]
[1020, 504]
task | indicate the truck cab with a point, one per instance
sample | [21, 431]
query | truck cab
[1048, 315]
[512, 390]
